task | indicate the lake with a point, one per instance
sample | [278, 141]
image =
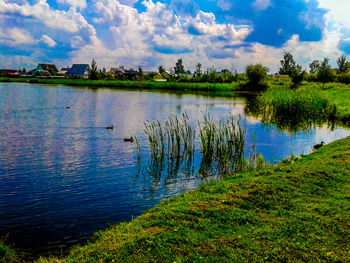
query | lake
[63, 175]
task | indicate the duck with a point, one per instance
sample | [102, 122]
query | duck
[318, 146]
[67, 107]
[110, 127]
[131, 139]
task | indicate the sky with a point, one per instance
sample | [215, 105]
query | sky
[221, 34]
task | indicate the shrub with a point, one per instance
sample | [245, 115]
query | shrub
[257, 75]
[344, 78]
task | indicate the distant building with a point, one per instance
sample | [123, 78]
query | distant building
[46, 67]
[9, 72]
[78, 70]
[116, 72]
[155, 76]
[43, 74]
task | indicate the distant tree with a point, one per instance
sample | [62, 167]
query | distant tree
[347, 66]
[256, 74]
[314, 66]
[297, 75]
[287, 64]
[140, 72]
[188, 71]
[92, 70]
[198, 70]
[104, 70]
[161, 69]
[24, 70]
[179, 67]
[324, 73]
[341, 64]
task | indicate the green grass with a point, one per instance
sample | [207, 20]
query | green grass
[129, 84]
[7, 253]
[295, 212]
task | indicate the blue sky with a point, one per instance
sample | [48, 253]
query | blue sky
[224, 34]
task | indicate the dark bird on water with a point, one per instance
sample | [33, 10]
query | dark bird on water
[131, 139]
[318, 146]
[110, 127]
[67, 107]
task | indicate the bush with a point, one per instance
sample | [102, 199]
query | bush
[344, 78]
[257, 75]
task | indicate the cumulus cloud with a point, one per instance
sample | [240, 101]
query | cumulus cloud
[15, 36]
[70, 21]
[234, 33]
[75, 3]
[48, 41]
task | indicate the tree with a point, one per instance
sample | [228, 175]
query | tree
[140, 72]
[179, 68]
[198, 70]
[24, 70]
[297, 75]
[256, 75]
[314, 66]
[324, 73]
[161, 69]
[92, 70]
[341, 64]
[287, 64]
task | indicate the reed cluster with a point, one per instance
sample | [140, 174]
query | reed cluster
[172, 145]
[295, 109]
[222, 144]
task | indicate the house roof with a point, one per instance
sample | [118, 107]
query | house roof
[10, 71]
[43, 73]
[78, 69]
[48, 66]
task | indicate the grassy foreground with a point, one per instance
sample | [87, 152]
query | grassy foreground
[294, 212]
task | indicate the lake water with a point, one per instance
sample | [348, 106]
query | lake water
[63, 175]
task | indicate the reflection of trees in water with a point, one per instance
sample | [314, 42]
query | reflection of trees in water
[292, 119]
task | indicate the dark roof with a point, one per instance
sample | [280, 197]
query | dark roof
[9, 71]
[48, 66]
[78, 69]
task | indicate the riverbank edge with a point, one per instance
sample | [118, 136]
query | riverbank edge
[147, 85]
[297, 211]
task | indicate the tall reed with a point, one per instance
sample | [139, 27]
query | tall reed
[222, 144]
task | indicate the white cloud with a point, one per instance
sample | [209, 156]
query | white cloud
[48, 41]
[15, 36]
[74, 3]
[261, 5]
[338, 11]
[69, 21]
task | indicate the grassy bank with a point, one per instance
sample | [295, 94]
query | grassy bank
[297, 211]
[130, 84]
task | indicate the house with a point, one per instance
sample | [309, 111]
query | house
[46, 67]
[155, 76]
[43, 74]
[9, 72]
[78, 70]
[115, 72]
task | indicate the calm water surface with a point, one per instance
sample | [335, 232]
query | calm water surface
[64, 176]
